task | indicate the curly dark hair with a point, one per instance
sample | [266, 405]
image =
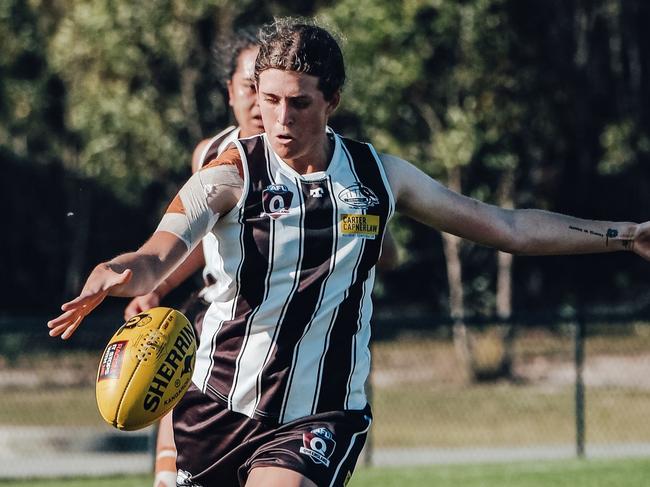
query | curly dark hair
[298, 45]
[229, 47]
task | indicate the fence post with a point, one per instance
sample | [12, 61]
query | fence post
[579, 355]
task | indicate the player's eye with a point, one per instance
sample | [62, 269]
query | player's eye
[300, 103]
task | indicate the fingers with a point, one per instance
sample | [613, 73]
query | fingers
[61, 320]
[133, 308]
[101, 281]
[66, 328]
[74, 313]
[122, 278]
[141, 304]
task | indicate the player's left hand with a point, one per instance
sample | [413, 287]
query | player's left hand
[99, 284]
[641, 240]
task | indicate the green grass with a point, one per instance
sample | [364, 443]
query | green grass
[600, 473]
[504, 415]
[610, 473]
[66, 406]
[131, 481]
[420, 396]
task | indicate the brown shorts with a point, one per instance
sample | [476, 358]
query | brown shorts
[218, 447]
[194, 309]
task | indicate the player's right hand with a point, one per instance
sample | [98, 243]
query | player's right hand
[100, 283]
[140, 304]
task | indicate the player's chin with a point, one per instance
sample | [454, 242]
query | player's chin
[286, 148]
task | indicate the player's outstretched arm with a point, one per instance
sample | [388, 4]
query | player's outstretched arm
[128, 274]
[530, 232]
[211, 192]
[185, 269]
[193, 262]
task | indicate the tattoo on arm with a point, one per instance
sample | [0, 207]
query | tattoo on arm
[591, 232]
[611, 233]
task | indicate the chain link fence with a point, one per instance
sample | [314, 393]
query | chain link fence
[573, 389]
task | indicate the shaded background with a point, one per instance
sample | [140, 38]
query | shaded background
[534, 103]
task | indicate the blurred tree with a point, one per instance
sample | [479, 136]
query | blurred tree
[425, 80]
[118, 94]
[517, 103]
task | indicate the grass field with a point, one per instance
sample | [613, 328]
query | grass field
[420, 400]
[610, 473]
[420, 396]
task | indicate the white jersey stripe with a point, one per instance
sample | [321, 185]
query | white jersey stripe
[287, 301]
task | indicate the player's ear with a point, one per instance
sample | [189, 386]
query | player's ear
[333, 102]
[231, 92]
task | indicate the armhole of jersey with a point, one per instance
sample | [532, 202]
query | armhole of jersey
[207, 147]
[384, 179]
[244, 164]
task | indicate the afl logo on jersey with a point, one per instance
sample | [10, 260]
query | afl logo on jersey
[359, 196]
[276, 200]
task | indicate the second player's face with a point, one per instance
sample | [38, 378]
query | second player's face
[295, 115]
[243, 96]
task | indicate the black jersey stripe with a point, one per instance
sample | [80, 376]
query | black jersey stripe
[331, 263]
[315, 268]
[335, 227]
[340, 358]
[263, 384]
[255, 262]
[269, 243]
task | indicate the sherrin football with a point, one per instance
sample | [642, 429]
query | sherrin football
[146, 368]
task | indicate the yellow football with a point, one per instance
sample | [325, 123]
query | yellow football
[146, 368]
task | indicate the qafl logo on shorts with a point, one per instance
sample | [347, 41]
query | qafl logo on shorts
[276, 200]
[319, 445]
[359, 196]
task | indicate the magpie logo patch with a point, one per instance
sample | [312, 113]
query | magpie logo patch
[359, 196]
[318, 445]
[276, 200]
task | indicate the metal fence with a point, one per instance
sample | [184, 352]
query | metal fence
[576, 388]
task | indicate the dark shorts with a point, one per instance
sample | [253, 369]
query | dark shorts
[194, 309]
[218, 447]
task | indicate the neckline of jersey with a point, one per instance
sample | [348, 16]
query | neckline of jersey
[312, 176]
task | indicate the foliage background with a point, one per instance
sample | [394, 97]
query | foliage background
[102, 102]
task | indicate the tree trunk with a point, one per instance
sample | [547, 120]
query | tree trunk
[451, 246]
[504, 283]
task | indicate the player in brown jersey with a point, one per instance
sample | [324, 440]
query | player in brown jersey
[299, 73]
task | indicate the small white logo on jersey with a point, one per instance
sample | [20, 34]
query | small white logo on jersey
[359, 196]
[316, 192]
[184, 478]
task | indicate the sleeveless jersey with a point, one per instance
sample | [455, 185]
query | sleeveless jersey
[288, 332]
[215, 147]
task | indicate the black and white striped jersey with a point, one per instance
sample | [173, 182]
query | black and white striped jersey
[213, 148]
[287, 334]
